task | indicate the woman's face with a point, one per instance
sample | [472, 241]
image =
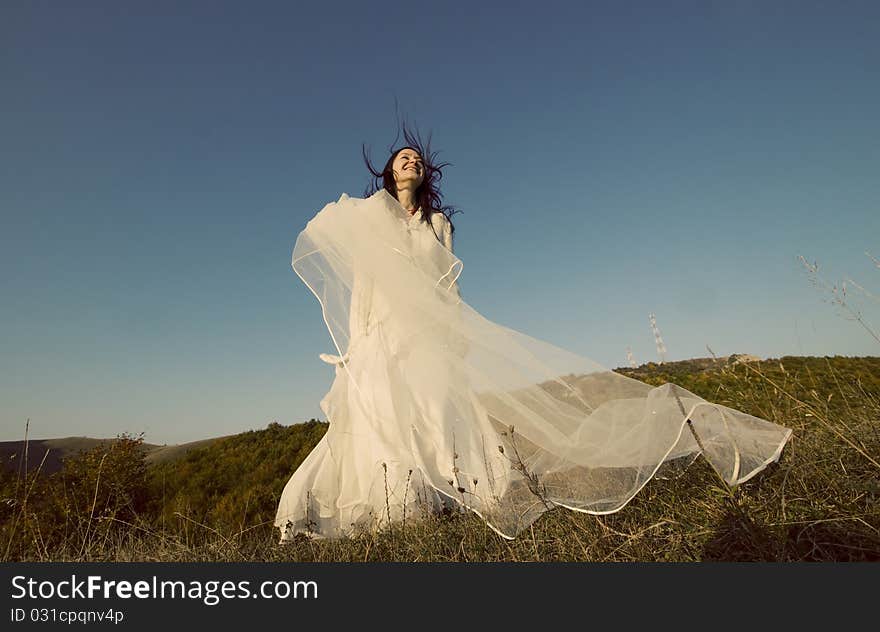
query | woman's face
[408, 168]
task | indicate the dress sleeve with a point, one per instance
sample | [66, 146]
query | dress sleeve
[443, 229]
[455, 342]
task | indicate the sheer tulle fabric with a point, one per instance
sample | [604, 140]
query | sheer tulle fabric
[433, 403]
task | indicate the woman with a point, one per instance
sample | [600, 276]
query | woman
[435, 406]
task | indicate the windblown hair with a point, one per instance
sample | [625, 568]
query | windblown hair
[427, 195]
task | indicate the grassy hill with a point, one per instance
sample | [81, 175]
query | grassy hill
[215, 500]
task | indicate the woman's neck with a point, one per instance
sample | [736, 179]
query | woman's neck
[407, 200]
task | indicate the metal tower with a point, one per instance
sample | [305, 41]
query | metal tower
[661, 348]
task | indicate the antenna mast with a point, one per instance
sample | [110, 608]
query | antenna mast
[661, 348]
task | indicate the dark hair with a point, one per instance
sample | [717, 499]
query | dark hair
[427, 195]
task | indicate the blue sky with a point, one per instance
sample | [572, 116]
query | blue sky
[158, 160]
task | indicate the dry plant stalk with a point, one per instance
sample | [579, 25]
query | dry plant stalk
[838, 292]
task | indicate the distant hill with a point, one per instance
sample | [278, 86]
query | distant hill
[692, 365]
[165, 453]
[851, 366]
[12, 453]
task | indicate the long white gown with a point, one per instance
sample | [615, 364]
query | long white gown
[433, 404]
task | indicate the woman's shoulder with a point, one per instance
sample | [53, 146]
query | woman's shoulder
[439, 219]
[442, 228]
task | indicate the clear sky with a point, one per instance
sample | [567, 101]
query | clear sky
[158, 159]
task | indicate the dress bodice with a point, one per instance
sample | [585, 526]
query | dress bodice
[368, 306]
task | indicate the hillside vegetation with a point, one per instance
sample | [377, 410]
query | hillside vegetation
[216, 501]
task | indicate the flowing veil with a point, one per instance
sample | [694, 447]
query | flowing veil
[508, 425]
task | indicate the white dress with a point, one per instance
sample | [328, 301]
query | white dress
[434, 405]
